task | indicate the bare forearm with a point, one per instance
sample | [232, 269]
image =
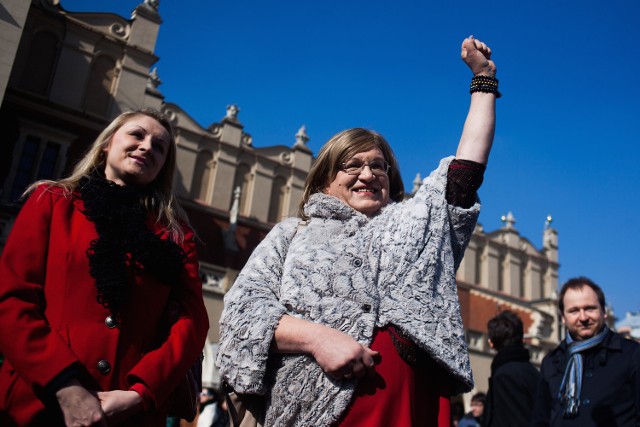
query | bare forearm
[294, 335]
[479, 129]
[337, 353]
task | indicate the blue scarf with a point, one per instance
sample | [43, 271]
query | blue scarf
[571, 386]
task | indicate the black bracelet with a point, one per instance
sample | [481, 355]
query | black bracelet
[486, 84]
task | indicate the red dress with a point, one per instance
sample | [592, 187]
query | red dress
[399, 395]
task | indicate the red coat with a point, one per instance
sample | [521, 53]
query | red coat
[49, 317]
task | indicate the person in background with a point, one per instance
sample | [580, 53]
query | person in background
[101, 309]
[349, 315]
[474, 417]
[208, 408]
[514, 379]
[593, 377]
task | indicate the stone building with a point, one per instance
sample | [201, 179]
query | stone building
[502, 270]
[68, 74]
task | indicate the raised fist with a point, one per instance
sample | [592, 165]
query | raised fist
[477, 56]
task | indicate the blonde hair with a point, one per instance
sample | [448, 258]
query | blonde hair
[340, 148]
[161, 200]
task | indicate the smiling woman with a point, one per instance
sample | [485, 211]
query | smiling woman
[358, 186]
[137, 152]
[102, 256]
[348, 314]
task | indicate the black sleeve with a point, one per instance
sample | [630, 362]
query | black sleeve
[464, 177]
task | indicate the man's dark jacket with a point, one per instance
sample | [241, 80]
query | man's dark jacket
[610, 386]
[512, 388]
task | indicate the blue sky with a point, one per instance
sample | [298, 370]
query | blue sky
[567, 132]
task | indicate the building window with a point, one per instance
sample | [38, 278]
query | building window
[38, 160]
[37, 156]
[476, 340]
[212, 278]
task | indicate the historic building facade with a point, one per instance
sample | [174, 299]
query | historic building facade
[68, 74]
[502, 270]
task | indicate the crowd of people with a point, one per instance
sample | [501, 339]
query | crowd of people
[345, 315]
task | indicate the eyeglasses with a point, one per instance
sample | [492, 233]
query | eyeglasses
[355, 167]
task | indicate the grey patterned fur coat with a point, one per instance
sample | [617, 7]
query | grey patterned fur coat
[353, 273]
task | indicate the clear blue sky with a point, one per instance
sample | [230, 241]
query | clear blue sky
[568, 122]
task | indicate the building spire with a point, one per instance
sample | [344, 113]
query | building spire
[301, 140]
[154, 4]
[232, 114]
[509, 220]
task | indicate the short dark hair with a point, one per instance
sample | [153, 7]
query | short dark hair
[579, 283]
[505, 329]
[479, 397]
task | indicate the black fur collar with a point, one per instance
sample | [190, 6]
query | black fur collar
[125, 245]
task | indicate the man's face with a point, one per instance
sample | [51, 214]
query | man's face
[477, 408]
[583, 316]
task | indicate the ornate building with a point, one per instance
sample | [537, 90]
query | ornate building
[502, 270]
[68, 74]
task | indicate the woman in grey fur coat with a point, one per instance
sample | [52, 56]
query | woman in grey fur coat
[349, 314]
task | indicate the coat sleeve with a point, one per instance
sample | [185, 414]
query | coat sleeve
[168, 364]
[428, 225]
[252, 311]
[461, 221]
[37, 352]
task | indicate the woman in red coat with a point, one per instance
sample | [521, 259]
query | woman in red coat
[91, 268]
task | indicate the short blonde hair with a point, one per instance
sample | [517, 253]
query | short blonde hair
[161, 200]
[340, 148]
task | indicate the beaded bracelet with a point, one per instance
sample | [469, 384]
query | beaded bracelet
[486, 84]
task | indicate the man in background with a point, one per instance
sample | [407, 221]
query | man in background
[474, 417]
[593, 377]
[513, 381]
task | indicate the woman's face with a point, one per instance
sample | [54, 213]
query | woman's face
[367, 191]
[137, 151]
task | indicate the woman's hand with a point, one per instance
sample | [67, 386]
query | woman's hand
[477, 56]
[118, 405]
[79, 406]
[337, 353]
[341, 356]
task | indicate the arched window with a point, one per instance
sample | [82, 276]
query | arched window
[276, 204]
[41, 58]
[201, 176]
[97, 97]
[243, 180]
